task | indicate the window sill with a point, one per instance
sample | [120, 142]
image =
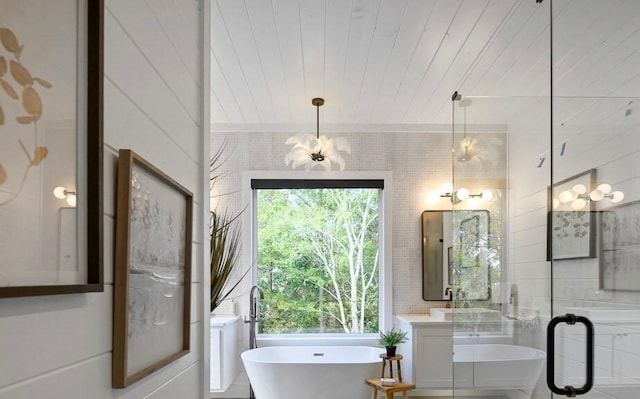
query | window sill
[317, 340]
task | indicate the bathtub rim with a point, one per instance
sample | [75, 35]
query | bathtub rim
[540, 355]
[244, 355]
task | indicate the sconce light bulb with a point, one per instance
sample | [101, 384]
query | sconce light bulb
[447, 188]
[566, 196]
[71, 200]
[579, 189]
[486, 195]
[462, 194]
[604, 188]
[596, 195]
[60, 192]
[556, 203]
[578, 204]
[617, 196]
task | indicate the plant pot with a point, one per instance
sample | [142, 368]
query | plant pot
[391, 351]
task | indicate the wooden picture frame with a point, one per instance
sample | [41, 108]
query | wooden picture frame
[571, 234]
[51, 89]
[620, 247]
[152, 292]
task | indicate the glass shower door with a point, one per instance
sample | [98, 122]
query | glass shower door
[501, 276]
[594, 201]
[552, 158]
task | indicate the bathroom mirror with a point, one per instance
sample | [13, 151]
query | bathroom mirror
[468, 267]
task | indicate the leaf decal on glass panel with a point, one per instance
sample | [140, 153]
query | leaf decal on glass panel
[8, 89]
[9, 41]
[43, 83]
[31, 102]
[3, 174]
[20, 73]
[20, 87]
[39, 154]
[25, 120]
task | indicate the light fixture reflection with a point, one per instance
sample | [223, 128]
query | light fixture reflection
[62, 193]
[577, 196]
[309, 150]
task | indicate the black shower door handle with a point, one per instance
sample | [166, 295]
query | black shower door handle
[569, 390]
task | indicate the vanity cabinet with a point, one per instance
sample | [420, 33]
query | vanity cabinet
[225, 335]
[428, 352]
[617, 347]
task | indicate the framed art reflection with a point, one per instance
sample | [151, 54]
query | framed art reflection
[571, 218]
[620, 247]
[50, 147]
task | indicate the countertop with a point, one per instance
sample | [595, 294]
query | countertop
[222, 320]
[421, 319]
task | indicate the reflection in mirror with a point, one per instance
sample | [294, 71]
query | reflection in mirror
[436, 254]
[471, 278]
[456, 253]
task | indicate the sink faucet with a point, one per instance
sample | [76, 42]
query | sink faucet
[253, 315]
[449, 293]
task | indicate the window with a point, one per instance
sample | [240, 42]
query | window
[318, 245]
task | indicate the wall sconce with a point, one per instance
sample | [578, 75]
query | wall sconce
[578, 196]
[463, 194]
[62, 193]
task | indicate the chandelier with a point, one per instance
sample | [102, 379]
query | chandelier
[310, 151]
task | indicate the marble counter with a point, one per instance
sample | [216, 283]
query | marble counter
[421, 319]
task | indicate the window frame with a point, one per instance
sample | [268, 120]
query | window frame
[249, 248]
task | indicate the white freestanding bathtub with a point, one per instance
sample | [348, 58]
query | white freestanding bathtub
[497, 366]
[312, 372]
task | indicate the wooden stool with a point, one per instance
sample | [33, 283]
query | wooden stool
[389, 390]
[397, 359]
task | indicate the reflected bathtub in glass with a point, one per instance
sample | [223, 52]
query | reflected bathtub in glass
[497, 366]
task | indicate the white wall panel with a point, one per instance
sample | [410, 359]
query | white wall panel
[149, 36]
[185, 385]
[69, 329]
[128, 69]
[126, 126]
[59, 347]
[182, 23]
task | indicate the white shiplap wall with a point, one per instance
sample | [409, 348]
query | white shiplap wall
[60, 346]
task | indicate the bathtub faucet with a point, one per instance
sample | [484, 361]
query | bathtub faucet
[253, 315]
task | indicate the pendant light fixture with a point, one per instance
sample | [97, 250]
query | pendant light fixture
[309, 150]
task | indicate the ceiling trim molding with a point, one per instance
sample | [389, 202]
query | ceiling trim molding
[352, 128]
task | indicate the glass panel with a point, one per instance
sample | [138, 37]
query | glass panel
[501, 169]
[566, 167]
[595, 213]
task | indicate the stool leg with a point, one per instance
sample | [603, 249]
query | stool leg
[389, 395]
[404, 395]
[399, 371]
[374, 394]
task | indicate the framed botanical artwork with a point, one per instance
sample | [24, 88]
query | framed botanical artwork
[152, 297]
[620, 247]
[51, 147]
[571, 221]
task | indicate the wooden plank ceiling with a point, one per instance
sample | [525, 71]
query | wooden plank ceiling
[392, 65]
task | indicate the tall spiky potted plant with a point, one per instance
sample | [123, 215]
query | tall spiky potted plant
[224, 241]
